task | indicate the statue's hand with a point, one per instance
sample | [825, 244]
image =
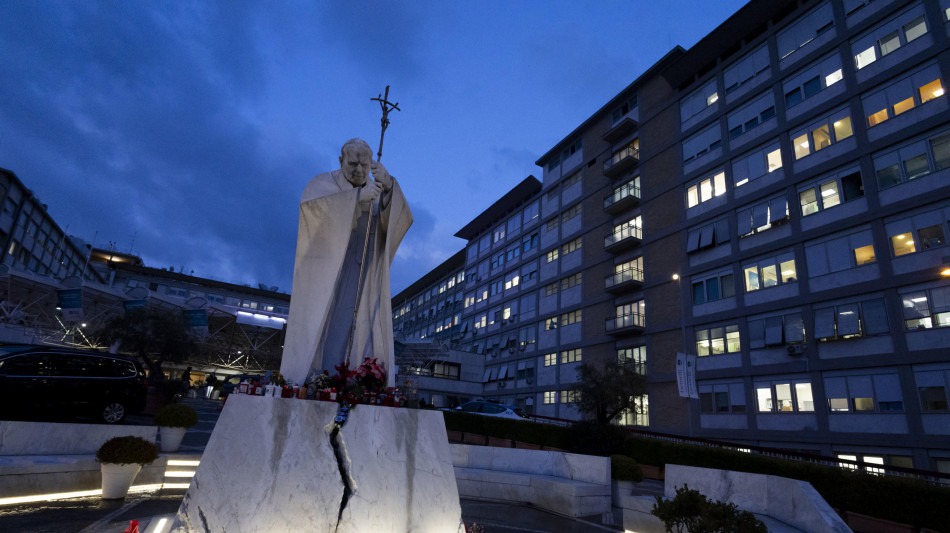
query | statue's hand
[370, 192]
[382, 176]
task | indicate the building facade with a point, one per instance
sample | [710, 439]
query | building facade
[775, 201]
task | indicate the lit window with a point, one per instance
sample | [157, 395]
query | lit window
[833, 78]
[865, 58]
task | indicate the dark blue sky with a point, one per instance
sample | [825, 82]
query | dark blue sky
[185, 131]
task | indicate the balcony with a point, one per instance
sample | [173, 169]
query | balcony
[620, 130]
[622, 161]
[632, 324]
[625, 280]
[622, 199]
[624, 238]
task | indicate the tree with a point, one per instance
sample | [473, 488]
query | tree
[605, 391]
[154, 335]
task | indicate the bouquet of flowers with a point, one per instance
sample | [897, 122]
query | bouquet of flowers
[370, 375]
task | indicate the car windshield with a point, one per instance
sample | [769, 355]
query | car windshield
[14, 348]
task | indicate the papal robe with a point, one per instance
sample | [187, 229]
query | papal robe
[327, 269]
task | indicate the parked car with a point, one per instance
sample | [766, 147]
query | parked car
[55, 382]
[483, 407]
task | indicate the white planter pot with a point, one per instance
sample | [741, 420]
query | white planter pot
[116, 479]
[171, 438]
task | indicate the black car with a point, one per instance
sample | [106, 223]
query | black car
[54, 382]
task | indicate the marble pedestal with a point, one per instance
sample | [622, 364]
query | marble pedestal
[270, 466]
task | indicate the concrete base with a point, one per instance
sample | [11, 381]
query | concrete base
[789, 501]
[26, 475]
[54, 438]
[270, 466]
[567, 483]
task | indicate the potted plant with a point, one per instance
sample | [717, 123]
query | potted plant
[121, 459]
[172, 421]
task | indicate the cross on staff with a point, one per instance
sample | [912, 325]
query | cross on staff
[386, 106]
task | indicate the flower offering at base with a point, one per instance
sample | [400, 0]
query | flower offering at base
[287, 392]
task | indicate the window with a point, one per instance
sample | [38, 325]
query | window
[903, 95]
[699, 100]
[822, 134]
[746, 118]
[708, 235]
[812, 81]
[926, 309]
[840, 253]
[756, 164]
[628, 189]
[512, 253]
[717, 287]
[551, 289]
[628, 315]
[529, 243]
[707, 189]
[746, 69]
[550, 323]
[529, 272]
[512, 279]
[572, 317]
[527, 336]
[721, 398]
[550, 359]
[631, 150]
[498, 260]
[571, 180]
[832, 190]
[806, 29]
[702, 143]
[770, 272]
[889, 37]
[623, 109]
[851, 320]
[761, 217]
[629, 271]
[718, 340]
[496, 287]
[550, 396]
[785, 396]
[571, 212]
[552, 224]
[514, 224]
[571, 281]
[917, 234]
[776, 330]
[867, 394]
[626, 230]
[499, 234]
[570, 396]
[571, 356]
[531, 212]
[933, 399]
[551, 256]
[570, 247]
[636, 356]
[913, 161]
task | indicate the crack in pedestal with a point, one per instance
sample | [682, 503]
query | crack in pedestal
[339, 451]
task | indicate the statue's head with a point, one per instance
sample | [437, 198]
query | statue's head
[355, 160]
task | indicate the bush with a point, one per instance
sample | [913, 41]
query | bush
[623, 468]
[127, 450]
[692, 512]
[176, 416]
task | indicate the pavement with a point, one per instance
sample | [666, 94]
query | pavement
[155, 510]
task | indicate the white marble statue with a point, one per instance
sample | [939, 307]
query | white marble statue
[335, 210]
